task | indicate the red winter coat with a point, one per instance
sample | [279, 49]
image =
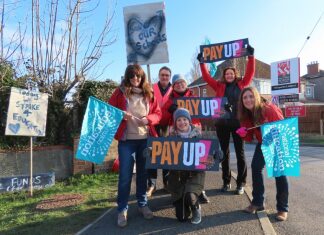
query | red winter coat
[219, 87]
[167, 117]
[118, 100]
[270, 113]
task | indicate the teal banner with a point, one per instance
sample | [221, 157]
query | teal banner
[280, 147]
[99, 126]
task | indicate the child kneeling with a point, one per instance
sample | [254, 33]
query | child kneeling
[185, 186]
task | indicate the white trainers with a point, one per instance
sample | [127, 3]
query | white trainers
[122, 219]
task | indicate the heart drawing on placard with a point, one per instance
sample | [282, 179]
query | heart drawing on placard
[14, 127]
[144, 38]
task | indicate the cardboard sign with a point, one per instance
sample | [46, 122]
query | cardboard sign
[17, 183]
[299, 111]
[27, 113]
[285, 77]
[224, 50]
[183, 154]
[145, 31]
[204, 107]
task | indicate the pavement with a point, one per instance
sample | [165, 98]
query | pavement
[223, 215]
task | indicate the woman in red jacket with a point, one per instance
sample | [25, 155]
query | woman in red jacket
[179, 89]
[230, 87]
[142, 112]
[253, 111]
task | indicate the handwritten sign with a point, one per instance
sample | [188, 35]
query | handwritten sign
[183, 154]
[17, 183]
[146, 41]
[27, 113]
[224, 50]
[285, 77]
[204, 107]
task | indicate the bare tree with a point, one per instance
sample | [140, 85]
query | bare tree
[195, 70]
[9, 46]
[58, 47]
[63, 56]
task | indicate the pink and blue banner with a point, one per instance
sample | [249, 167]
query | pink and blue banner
[280, 147]
[99, 126]
[204, 107]
[224, 50]
[183, 154]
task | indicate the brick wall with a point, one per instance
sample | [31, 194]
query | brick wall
[84, 167]
[57, 159]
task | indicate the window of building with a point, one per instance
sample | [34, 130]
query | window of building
[309, 92]
[204, 92]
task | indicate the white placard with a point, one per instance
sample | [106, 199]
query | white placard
[27, 113]
[285, 77]
[145, 33]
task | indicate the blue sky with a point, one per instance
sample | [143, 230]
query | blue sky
[276, 29]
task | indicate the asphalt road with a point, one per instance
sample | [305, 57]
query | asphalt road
[306, 193]
[224, 214]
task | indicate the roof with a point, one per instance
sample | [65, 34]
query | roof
[318, 75]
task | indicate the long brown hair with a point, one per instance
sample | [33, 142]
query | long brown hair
[137, 70]
[235, 74]
[256, 115]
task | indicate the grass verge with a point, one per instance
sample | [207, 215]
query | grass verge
[18, 213]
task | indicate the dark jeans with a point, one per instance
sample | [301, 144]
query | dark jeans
[257, 165]
[126, 150]
[152, 176]
[223, 134]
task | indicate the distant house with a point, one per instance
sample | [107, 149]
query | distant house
[312, 83]
[312, 94]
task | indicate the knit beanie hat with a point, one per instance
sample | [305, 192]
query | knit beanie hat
[178, 77]
[181, 112]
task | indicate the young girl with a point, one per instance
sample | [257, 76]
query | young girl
[230, 86]
[185, 186]
[179, 89]
[135, 97]
[253, 111]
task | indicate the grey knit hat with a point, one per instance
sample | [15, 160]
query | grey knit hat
[178, 77]
[181, 112]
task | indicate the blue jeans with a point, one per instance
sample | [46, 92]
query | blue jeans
[126, 150]
[257, 166]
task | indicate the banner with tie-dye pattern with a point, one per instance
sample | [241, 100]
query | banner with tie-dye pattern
[99, 126]
[280, 147]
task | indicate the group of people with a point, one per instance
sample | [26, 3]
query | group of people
[151, 111]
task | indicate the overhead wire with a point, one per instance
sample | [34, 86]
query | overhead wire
[308, 37]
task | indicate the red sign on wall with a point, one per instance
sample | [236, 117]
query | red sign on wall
[295, 111]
